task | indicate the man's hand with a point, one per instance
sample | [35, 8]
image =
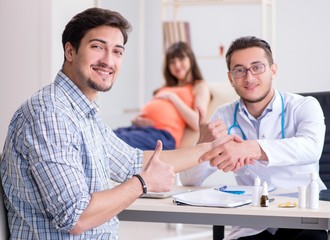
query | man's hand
[224, 154]
[209, 131]
[231, 153]
[141, 121]
[158, 175]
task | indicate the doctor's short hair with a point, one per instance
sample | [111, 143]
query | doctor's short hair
[248, 42]
[92, 18]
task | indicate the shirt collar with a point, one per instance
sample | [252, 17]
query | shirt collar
[77, 98]
[275, 105]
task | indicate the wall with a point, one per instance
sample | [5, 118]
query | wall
[301, 40]
[126, 97]
[24, 62]
[31, 49]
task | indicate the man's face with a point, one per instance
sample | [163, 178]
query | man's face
[252, 87]
[95, 66]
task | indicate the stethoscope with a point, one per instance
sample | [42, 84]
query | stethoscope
[235, 124]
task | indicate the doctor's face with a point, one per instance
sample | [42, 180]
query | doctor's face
[251, 75]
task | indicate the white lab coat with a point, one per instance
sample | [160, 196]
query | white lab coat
[298, 152]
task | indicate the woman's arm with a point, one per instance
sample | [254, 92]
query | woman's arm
[202, 99]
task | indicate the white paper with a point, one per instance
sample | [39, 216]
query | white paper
[211, 198]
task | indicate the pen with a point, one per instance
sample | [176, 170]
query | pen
[224, 189]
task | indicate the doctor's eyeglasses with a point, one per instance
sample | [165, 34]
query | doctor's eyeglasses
[240, 72]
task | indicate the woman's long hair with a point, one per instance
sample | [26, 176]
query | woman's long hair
[180, 50]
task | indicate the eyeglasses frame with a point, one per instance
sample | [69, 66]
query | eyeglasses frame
[249, 69]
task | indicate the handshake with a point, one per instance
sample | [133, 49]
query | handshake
[229, 152]
[226, 152]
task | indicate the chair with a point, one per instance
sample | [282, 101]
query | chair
[4, 231]
[324, 100]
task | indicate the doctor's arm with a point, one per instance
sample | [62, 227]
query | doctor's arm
[234, 154]
[209, 131]
[303, 142]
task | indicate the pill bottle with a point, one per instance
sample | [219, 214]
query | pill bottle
[256, 192]
[313, 192]
[302, 196]
[264, 201]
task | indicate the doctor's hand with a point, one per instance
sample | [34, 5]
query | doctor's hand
[209, 131]
[158, 175]
[230, 153]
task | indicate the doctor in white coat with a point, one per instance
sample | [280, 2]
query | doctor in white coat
[283, 134]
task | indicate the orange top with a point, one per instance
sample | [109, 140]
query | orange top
[165, 115]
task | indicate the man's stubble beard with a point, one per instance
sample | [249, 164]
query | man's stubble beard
[98, 87]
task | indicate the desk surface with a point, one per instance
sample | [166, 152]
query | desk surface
[164, 210]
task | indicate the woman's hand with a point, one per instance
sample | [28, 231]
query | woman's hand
[167, 95]
[141, 121]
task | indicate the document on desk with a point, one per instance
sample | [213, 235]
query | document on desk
[211, 198]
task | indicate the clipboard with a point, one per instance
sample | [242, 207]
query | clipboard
[211, 197]
[162, 194]
[175, 190]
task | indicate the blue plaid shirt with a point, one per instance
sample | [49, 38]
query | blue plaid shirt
[57, 153]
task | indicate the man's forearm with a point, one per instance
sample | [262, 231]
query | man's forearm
[181, 158]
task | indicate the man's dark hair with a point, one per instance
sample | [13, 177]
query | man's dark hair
[91, 18]
[248, 42]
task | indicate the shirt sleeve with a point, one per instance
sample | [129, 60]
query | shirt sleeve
[195, 176]
[124, 160]
[55, 166]
[305, 130]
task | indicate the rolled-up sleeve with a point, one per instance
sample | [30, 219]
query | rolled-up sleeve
[55, 165]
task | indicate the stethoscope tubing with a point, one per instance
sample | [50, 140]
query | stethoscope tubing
[236, 125]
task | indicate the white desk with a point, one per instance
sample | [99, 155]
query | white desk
[163, 210]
